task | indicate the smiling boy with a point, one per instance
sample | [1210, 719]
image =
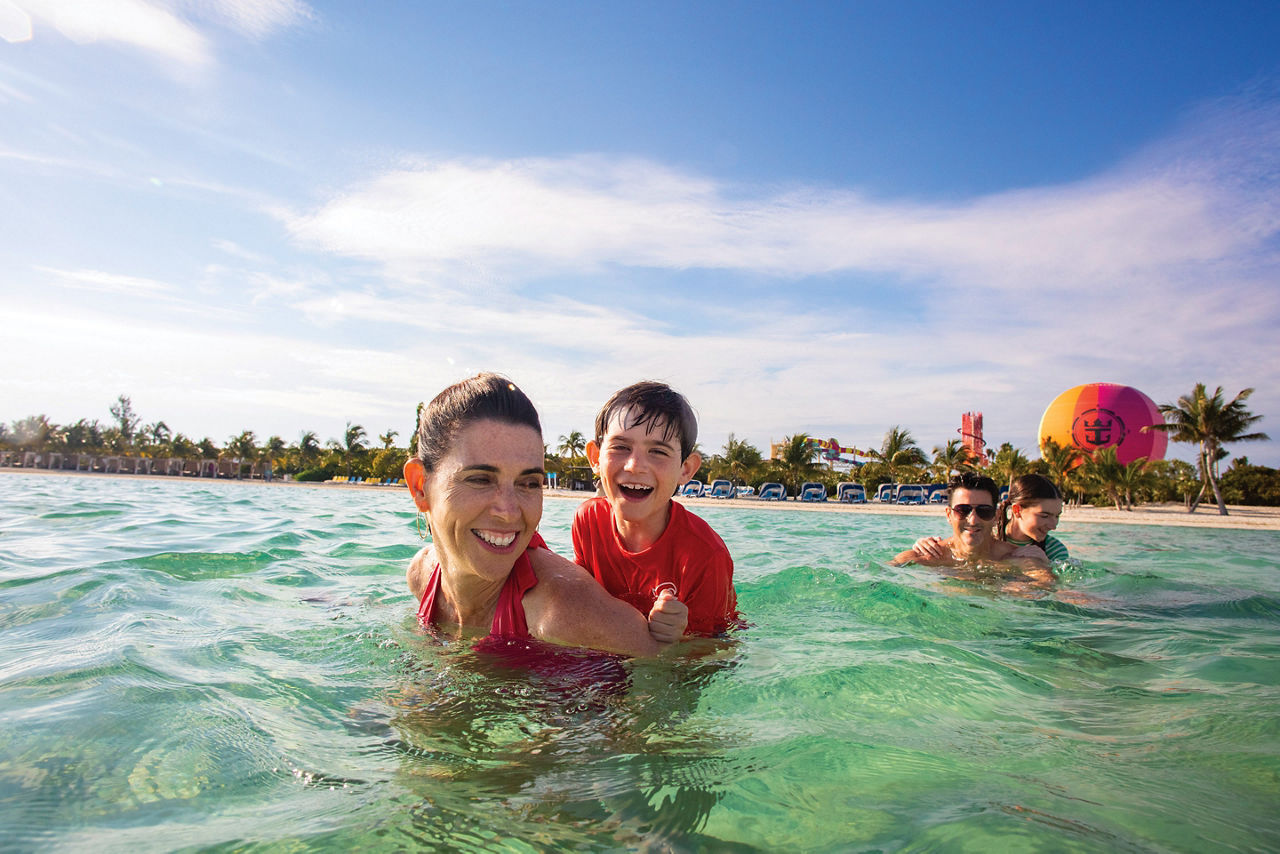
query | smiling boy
[640, 545]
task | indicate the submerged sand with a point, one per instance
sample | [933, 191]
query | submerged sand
[1207, 516]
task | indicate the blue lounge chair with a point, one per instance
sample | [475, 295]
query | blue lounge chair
[719, 489]
[813, 492]
[910, 493]
[745, 491]
[692, 489]
[773, 492]
[851, 493]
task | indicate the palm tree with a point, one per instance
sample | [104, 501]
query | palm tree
[796, 459]
[32, 432]
[352, 444]
[740, 458]
[159, 432]
[308, 447]
[1212, 423]
[273, 449]
[1008, 463]
[899, 451]
[1063, 463]
[951, 458]
[243, 449]
[573, 445]
[387, 438]
[1118, 480]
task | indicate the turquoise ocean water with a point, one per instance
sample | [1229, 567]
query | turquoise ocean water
[232, 667]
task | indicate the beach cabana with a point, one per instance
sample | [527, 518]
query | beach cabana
[851, 493]
[884, 493]
[910, 493]
[692, 489]
[937, 493]
[813, 491]
[773, 492]
[719, 489]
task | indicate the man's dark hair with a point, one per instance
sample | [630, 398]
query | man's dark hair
[652, 405]
[973, 481]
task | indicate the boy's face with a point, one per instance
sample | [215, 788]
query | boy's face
[639, 468]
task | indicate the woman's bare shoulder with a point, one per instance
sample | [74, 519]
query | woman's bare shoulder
[420, 566]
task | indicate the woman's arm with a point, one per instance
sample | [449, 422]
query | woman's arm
[570, 607]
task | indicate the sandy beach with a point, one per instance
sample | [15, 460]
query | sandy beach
[1240, 518]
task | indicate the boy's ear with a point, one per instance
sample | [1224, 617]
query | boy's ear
[692, 463]
[415, 477]
[593, 456]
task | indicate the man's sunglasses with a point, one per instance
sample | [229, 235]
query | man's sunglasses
[986, 512]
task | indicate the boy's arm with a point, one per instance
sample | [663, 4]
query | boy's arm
[709, 593]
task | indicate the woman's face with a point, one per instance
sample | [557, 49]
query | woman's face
[1036, 520]
[484, 500]
[970, 528]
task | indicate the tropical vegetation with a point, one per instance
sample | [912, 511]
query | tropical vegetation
[1206, 419]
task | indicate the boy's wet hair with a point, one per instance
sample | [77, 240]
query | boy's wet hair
[652, 405]
[483, 397]
[974, 481]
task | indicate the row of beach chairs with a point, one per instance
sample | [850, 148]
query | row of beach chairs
[368, 481]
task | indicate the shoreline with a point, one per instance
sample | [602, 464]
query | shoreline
[1168, 514]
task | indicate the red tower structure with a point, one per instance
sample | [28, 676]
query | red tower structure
[971, 436]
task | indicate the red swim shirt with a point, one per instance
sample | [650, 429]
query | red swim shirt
[689, 555]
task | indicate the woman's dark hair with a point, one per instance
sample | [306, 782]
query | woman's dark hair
[652, 405]
[975, 481]
[482, 397]
[1027, 489]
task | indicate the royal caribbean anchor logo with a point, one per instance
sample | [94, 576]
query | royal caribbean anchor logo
[1097, 428]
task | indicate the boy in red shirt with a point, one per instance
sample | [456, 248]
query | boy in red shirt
[640, 545]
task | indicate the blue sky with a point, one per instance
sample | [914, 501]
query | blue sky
[828, 218]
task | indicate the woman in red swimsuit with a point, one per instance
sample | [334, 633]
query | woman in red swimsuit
[478, 478]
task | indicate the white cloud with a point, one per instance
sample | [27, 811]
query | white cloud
[583, 213]
[254, 18]
[114, 283]
[152, 27]
[133, 23]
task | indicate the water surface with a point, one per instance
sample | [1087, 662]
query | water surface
[223, 666]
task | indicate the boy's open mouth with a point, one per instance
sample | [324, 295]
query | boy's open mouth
[635, 490]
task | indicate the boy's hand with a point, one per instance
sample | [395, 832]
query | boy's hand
[668, 618]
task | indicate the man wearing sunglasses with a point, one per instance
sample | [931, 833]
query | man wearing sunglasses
[971, 510]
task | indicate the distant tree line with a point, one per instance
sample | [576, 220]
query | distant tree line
[1204, 419]
[306, 458]
[1201, 418]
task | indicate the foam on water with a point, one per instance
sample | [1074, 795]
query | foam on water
[228, 666]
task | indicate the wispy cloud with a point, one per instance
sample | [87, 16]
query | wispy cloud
[256, 19]
[113, 283]
[132, 23]
[582, 214]
[151, 27]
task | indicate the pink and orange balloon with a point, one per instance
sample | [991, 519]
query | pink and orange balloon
[1103, 415]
